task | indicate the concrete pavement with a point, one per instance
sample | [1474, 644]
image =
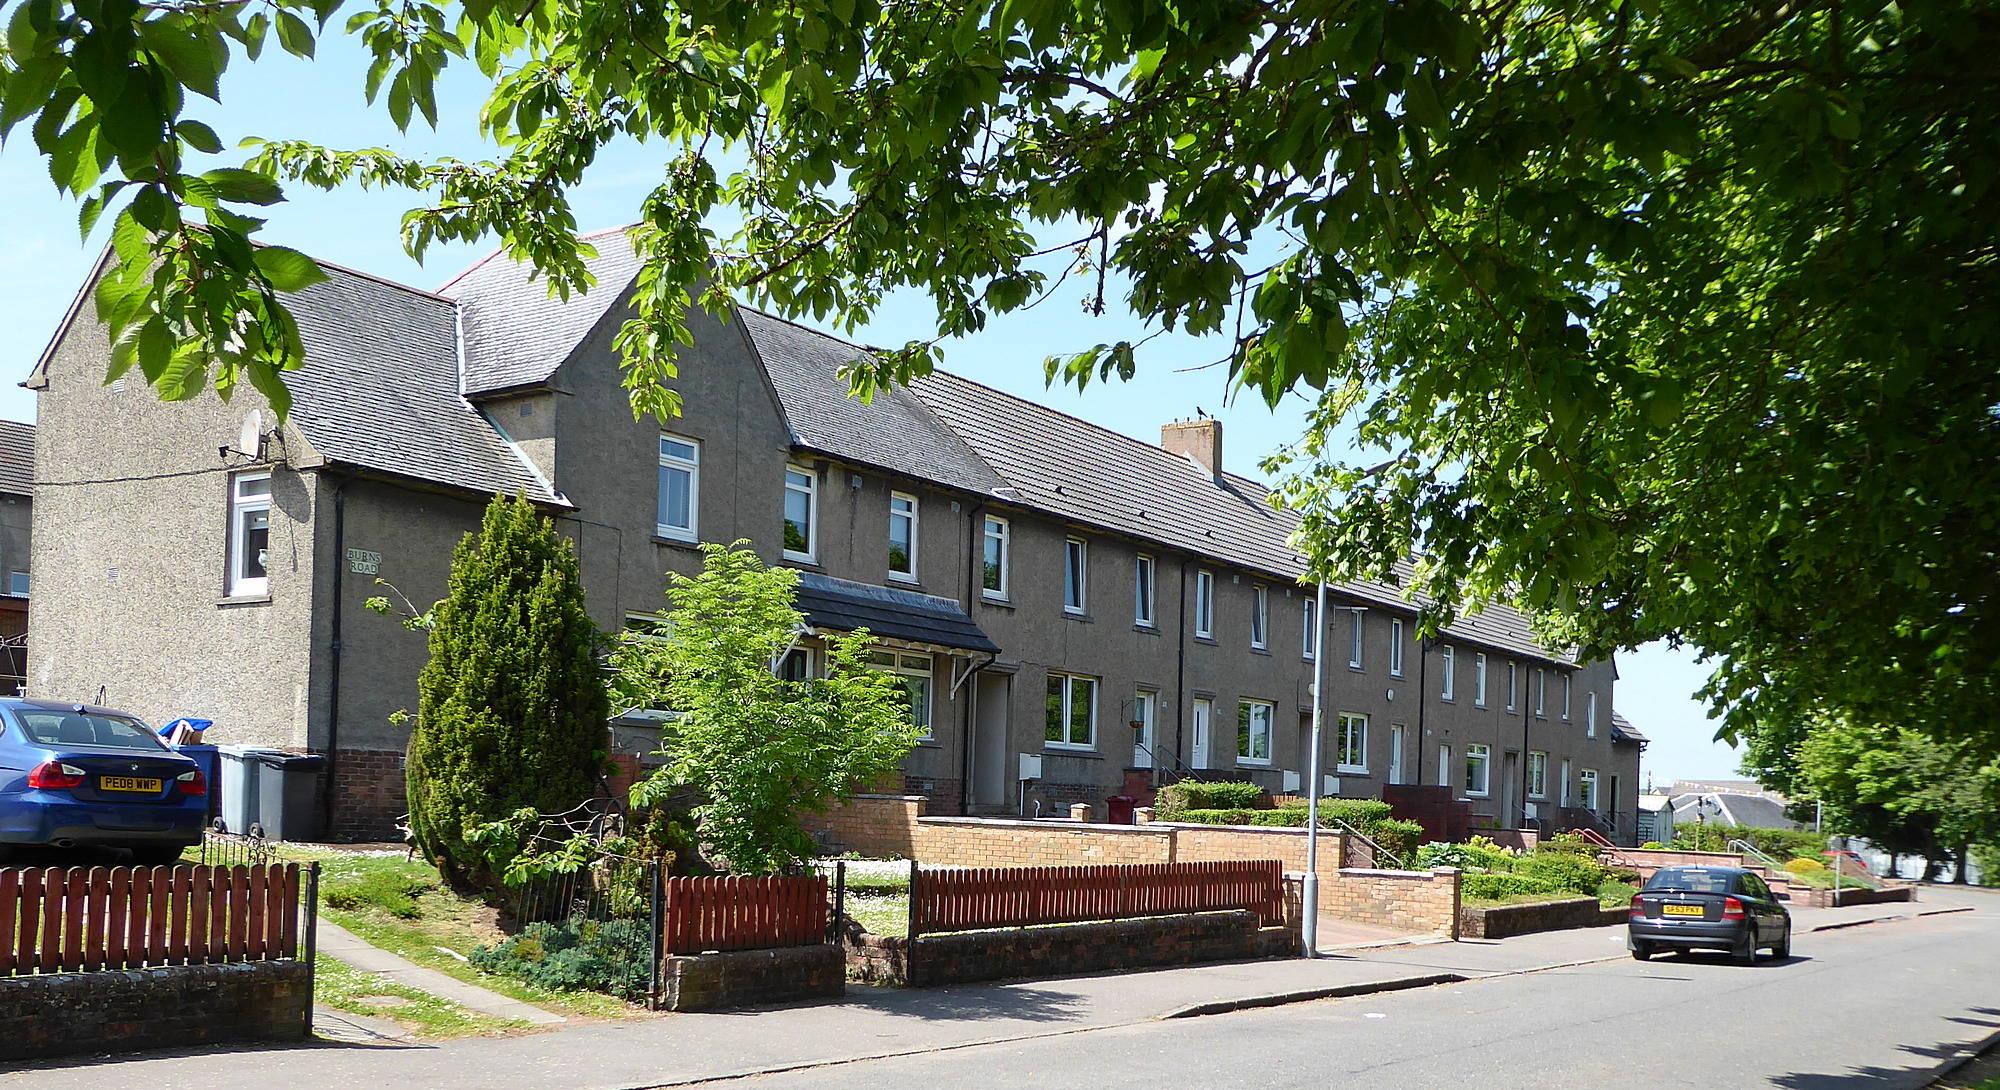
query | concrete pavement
[870, 1024]
[337, 941]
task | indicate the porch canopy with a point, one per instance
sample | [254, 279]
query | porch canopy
[901, 616]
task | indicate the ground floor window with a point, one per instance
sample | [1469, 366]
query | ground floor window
[1071, 711]
[914, 671]
[1538, 774]
[1354, 743]
[1586, 788]
[1476, 760]
[1253, 730]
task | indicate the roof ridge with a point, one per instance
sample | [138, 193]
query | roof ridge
[383, 280]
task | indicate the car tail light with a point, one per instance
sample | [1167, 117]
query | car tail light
[1732, 909]
[1638, 911]
[54, 775]
[192, 783]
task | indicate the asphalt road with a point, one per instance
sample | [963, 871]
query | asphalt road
[1874, 1007]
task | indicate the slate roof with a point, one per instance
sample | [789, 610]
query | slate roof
[885, 611]
[895, 431]
[17, 458]
[381, 392]
[1622, 730]
[516, 334]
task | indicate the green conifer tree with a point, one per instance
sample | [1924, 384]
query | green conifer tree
[512, 704]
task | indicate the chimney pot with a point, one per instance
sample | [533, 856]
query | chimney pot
[1199, 440]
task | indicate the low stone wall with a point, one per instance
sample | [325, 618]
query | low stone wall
[1422, 901]
[748, 978]
[170, 1006]
[1034, 953]
[1850, 895]
[869, 824]
[1502, 921]
[1655, 858]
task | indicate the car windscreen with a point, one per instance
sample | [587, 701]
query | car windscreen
[72, 728]
[1691, 879]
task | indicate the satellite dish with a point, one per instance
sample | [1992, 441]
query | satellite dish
[250, 440]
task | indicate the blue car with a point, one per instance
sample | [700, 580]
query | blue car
[74, 775]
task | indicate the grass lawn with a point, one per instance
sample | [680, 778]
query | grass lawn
[879, 899]
[403, 907]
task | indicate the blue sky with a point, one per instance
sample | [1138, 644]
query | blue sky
[45, 263]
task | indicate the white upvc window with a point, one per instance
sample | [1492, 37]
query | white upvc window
[1204, 604]
[1477, 770]
[1444, 766]
[1538, 774]
[998, 538]
[1143, 570]
[1479, 678]
[1353, 755]
[1590, 714]
[1566, 679]
[1513, 685]
[1541, 691]
[1071, 711]
[1076, 571]
[249, 534]
[801, 513]
[1253, 731]
[1448, 663]
[798, 665]
[1260, 618]
[680, 488]
[1395, 648]
[903, 513]
[914, 671]
[1354, 638]
[1586, 788]
[1309, 632]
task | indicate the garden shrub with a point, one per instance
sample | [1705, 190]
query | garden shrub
[1176, 799]
[1777, 843]
[1566, 871]
[1653, 846]
[1804, 866]
[1616, 894]
[1492, 887]
[1470, 856]
[1567, 844]
[611, 956]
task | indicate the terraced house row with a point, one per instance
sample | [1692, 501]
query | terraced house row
[1076, 613]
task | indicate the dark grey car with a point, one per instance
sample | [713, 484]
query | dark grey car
[1708, 908]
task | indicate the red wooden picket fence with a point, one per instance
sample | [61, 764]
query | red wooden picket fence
[975, 898]
[700, 914]
[86, 919]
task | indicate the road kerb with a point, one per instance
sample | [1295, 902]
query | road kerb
[1965, 1055]
[1308, 995]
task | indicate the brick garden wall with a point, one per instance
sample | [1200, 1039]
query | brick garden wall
[167, 1007]
[1503, 921]
[1425, 901]
[977, 842]
[368, 796]
[870, 824]
[1040, 952]
[745, 978]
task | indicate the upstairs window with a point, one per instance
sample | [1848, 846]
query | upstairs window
[1395, 649]
[902, 536]
[1204, 604]
[1589, 711]
[1566, 680]
[249, 534]
[801, 512]
[993, 574]
[1354, 639]
[1513, 685]
[1260, 618]
[680, 487]
[1479, 679]
[1448, 662]
[1142, 590]
[1253, 731]
[1309, 639]
[1541, 691]
[1076, 569]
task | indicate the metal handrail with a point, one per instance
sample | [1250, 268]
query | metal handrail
[1381, 852]
[1751, 851]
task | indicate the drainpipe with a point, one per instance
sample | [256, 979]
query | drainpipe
[1180, 676]
[974, 539]
[1522, 817]
[334, 649]
[1423, 696]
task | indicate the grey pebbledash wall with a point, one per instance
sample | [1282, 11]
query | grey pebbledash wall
[171, 1006]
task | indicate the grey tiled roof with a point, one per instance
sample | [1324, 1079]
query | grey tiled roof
[1094, 476]
[885, 611]
[516, 334]
[895, 431]
[381, 389]
[17, 458]
[1623, 731]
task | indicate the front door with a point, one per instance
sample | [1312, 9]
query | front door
[1204, 711]
[1510, 792]
[1396, 753]
[1144, 704]
[992, 767]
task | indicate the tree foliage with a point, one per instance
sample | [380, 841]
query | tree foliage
[758, 749]
[1666, 318]
[512, 710]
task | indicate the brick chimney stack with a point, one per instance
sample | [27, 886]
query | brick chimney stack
[1198, 439]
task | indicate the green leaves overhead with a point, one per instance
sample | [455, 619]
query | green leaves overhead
[1663, 319]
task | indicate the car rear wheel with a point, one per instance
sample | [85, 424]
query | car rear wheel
[1783, 947]
[1745, 952]
[1641, 952]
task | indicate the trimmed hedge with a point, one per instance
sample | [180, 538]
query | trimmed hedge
[1803, 866]
[1398, 838]
[1569, 873]
[1492, 887]
[1175, 800]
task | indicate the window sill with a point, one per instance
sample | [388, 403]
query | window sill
[235, 600]
[1253, 762]
[1362, 669]
[1264, 651]
[1476, 795]
[677, 542]
[905, 580]
[1075, 615]
[997, 603]
[1350, 770]
[1146, 629]
[799, 558]
[1209, 640]
[1065, 749]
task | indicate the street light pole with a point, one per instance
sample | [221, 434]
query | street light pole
[1309, 892]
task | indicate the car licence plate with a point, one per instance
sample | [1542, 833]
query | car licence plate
[1680, 910]
[126, 783]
